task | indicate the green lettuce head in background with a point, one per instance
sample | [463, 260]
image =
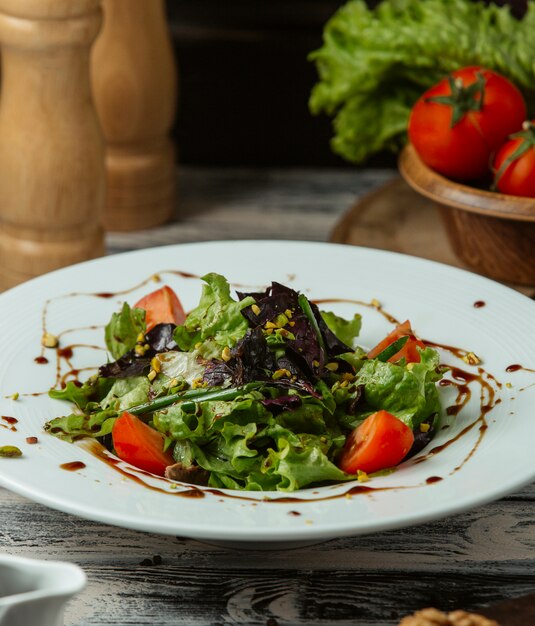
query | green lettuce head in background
[375, 63]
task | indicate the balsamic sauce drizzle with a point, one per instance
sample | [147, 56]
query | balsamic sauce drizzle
[459, 378]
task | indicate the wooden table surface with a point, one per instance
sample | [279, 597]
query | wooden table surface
[465, 561]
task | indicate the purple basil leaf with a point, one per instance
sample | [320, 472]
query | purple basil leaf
[421, 439]
[159, 339]
[283, 403]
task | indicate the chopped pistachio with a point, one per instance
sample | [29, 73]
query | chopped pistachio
[49, 341]
[15, 396]
[288, 314]
[281, 320]
[362, 477]
[255, 309]
[156, 365]
[152, 375]
[155, 278]
[141, 338]
[270, 325]
[424, 428]
[226, 354]
[508, 385]
[285, 333]
[471, 358]
[375, 303]
[10, 451]
[281, 373]
[332, 367]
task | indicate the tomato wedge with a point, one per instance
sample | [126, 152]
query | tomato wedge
[161, 306]
[140, 445]
[381, 441]
[409, 350]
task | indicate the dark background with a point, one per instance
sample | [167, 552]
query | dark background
[245, 81]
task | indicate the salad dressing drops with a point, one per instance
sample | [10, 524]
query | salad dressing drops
[9, 422]
[461, 379]
[73, 466]
[135, 474]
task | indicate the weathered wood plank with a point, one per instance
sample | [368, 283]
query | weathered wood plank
[467, 560]
[215, 204]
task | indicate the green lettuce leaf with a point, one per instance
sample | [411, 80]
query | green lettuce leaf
[346, 330]
[301, 463]
[192, 420]
[217, 320]
[93, 390]
[72, 427]
[123, 329]
[126, 393]
[375, 63]
[407, 391]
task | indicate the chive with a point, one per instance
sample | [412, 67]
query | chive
[195, 395]
[307, 310]
[392, 349]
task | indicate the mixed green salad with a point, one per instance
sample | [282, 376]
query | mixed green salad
[260, 392]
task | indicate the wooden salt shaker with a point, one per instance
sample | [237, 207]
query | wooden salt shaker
[51, 148]
[134, 85]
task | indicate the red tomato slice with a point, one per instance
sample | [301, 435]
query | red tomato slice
[381, 441]
[409, 350]
[140, 445]
[162, 306]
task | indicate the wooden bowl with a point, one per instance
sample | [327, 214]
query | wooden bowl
[493, 233]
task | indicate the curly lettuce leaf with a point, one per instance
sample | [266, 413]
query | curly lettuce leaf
[216, 322]
[123, 329]
[72, 427]
[375, 63]
[302, 464]
[346, 330]
[407, 391]
[126, 393]
[200, 420]
[93, 390]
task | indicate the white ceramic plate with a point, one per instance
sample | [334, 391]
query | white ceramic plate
[439, 301]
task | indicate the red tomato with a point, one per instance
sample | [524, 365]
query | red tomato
[514, 164]
[140, 445]
[409, 350]
[381, 441]
[474, 112]
[162, 306]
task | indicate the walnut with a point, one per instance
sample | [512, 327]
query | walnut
[434, 617]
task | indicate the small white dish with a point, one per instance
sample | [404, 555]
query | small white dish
[34, 593]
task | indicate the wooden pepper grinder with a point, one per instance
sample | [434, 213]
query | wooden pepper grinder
[134, 85]
[51, 149]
